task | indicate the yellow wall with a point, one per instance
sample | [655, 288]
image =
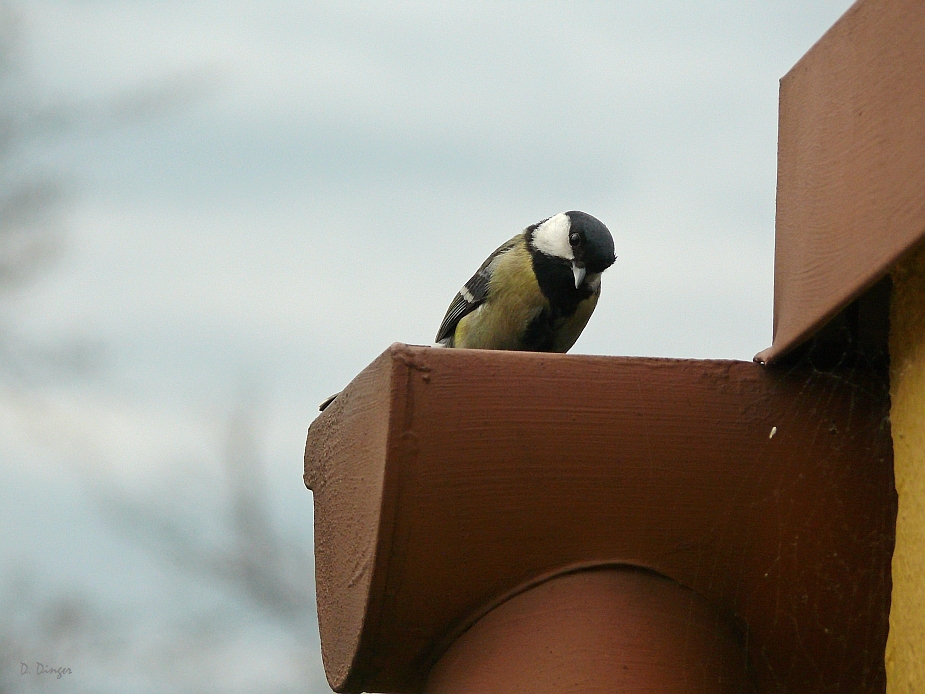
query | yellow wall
[905, 650]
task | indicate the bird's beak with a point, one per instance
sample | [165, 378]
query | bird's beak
[579, 271]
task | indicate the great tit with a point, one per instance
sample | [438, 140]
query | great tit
[536, 292]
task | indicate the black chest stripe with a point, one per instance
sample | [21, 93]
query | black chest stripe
[558, 285]
[540, 335]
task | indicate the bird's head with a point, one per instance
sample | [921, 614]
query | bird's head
[575, 238]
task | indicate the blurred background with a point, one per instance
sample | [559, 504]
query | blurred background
[214, 214]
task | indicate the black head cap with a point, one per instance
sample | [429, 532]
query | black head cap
[591, 241]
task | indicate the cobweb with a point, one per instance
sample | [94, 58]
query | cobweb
[842, 381]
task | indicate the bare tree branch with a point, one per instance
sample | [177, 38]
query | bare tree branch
[272, 570]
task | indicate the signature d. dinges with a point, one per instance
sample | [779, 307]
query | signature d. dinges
[42, 669]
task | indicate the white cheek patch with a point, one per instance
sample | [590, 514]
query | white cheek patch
[551, 237]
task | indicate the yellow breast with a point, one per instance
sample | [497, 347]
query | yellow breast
[500, 322]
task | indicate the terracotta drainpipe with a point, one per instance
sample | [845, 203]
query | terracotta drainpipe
[455, 489]
[608, 630]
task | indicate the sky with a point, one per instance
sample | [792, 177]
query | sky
[315, 181]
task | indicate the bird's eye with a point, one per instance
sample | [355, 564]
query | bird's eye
[574, 239]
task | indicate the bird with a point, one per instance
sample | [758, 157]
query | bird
[534, 293]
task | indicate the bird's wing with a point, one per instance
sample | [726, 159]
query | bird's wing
[473, 293]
